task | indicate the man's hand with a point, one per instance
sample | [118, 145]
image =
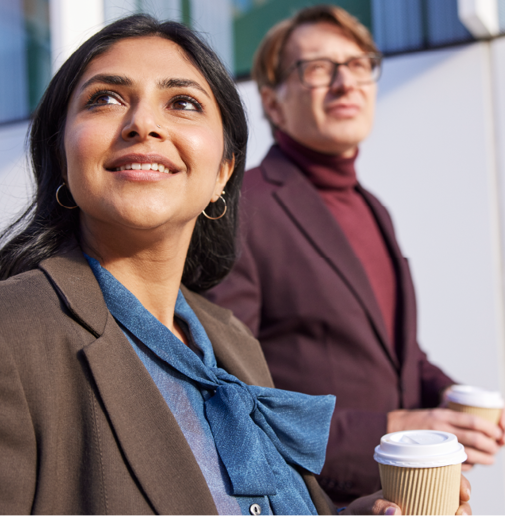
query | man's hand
[375, 504]
[480, 438]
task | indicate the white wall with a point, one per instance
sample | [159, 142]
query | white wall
[433, 160]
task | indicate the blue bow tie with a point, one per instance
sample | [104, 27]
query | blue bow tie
[251, 425]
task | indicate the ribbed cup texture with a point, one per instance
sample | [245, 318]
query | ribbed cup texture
[422, 490]
[491, 414]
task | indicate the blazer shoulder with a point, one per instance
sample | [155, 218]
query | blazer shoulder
[25, 291]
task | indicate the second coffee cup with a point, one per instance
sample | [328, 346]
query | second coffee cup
[474, 400]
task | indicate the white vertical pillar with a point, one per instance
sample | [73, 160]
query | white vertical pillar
[72, 22]
[480, 17]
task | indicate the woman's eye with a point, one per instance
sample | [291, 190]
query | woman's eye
[186, 104]
[103, 99]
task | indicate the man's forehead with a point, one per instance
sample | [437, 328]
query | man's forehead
[320, 39]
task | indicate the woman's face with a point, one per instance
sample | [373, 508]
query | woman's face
[143, 140]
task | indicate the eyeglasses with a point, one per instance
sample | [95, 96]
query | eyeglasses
[316, 73]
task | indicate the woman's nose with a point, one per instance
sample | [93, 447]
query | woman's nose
[142, 124]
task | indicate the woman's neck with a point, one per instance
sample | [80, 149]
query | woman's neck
[148, 263]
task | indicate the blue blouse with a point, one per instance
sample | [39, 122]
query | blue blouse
[247, 440]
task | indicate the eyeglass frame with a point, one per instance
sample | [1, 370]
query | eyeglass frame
[375, 55]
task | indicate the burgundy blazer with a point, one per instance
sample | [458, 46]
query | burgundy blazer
[83, 427]
[304, 294]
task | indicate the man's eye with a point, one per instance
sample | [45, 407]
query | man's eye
[360, 64]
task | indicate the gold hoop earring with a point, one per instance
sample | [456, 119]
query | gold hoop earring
[58, 199]
[222, 214]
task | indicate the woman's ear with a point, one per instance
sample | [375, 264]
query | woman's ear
[272, 106]
[224, 174]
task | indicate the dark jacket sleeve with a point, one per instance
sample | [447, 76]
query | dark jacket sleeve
[433, 382]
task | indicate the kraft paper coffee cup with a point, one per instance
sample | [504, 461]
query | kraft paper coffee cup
[474, 400]
[420, 470]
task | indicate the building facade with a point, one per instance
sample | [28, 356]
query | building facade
[436, 156]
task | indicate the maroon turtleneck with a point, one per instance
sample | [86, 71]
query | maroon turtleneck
[335, 180]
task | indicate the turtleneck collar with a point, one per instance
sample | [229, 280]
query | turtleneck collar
[325, 171]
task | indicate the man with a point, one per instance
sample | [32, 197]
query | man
[321, 281]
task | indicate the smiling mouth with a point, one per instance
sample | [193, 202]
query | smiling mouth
[159, 167]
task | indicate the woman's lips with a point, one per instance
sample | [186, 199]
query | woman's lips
[146, 162]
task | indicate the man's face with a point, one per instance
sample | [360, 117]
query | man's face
[331, 119]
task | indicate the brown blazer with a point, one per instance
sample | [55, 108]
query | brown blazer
[304, 294]
[83, 428]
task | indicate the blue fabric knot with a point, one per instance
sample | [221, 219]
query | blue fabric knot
[258, 431]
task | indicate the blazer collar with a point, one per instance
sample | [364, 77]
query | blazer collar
[300, 199]
[72, 278]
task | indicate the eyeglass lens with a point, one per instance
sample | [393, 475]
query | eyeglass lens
[321, 72]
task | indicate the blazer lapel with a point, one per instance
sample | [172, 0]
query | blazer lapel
[147, 431]
[407, 299]
[301, 201]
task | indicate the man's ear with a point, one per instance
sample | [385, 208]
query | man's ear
[272, 106]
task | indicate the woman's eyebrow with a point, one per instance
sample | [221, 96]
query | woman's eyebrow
[180, 83]
[113, 80]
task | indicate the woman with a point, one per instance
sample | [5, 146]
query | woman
[121, 390]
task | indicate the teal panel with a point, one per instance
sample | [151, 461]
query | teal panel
[186, 12]
[252, 22]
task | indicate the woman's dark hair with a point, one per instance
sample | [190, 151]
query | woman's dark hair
[45, 227]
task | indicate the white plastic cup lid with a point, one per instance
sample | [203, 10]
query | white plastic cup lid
[420, 449]
[474, 396]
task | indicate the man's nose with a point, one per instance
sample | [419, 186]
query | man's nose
[343, 78]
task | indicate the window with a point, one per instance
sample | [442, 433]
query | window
[25, 56]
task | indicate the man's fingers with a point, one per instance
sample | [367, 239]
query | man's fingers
[466, 466]
[478, 457]
[472, 422]
[477, 441]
